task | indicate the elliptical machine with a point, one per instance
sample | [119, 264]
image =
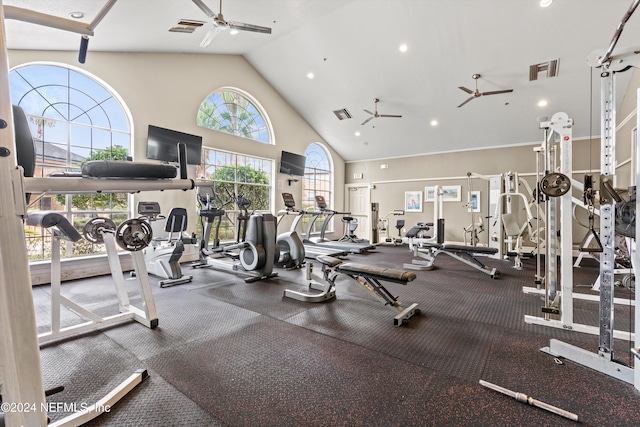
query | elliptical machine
[255, 251]
[162, 257]
[292, 251]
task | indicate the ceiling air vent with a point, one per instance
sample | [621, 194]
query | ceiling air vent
[550, 68]
[342, 114]
[186, 26]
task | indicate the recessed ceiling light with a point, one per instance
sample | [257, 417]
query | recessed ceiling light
[403, 47]
[542, 103]
[545, 3]
[77, 15]
[310, 75]
[357, 133]
[233, 32]
[434, 123]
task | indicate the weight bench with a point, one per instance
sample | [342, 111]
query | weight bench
[370, 278]
[466, 254]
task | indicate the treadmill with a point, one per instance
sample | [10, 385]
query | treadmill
[311, 250]
[352, 247]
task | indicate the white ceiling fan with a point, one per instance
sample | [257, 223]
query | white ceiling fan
[477, 94]
[375, 114]
[219, 24]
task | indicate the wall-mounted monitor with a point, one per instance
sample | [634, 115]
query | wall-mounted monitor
[162, 144]
[292, 164]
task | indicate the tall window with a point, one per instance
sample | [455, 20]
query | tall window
[74, 118]
[231, 111]
[234, 175]
[318, 180]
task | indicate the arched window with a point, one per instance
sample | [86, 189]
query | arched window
[318, 179]
[74, 117]
[232, 111]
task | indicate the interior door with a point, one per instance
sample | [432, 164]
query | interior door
[358, 203]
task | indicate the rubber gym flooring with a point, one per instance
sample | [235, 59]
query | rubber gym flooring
[230, 353]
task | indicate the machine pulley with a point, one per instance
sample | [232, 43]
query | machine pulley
[95, 228]
[555, 184]
[134, 234]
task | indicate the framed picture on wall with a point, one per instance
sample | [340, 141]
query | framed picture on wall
[451, 193]
[475, 201]
[413, 201]
[430, 194]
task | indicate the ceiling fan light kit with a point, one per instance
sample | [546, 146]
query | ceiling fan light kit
[477, 94]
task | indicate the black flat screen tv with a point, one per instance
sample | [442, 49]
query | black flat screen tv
[162, 144]
[292, 164]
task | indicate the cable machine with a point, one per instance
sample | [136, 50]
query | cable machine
[603, 361]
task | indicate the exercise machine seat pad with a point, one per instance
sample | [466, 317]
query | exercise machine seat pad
[377, 272]
[328, 260]
[367, 270]
[129, 170]
[54, 219]
[413, 231]
[470, 249]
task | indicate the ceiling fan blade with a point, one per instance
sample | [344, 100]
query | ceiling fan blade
[211, 34]
[367, 111]
[203, 7]
[496, 92]
[368, 120]
[468, 99]
[389, 115]
[469, 91]
[249, 27]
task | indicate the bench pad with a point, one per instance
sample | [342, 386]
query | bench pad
[130, 170]
[377, 272]
[470, 249]
[54, 219]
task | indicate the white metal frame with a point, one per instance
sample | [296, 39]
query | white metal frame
[558, 133]
[145, 315]
[603, 360]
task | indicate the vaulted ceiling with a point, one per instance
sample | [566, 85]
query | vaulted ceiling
[352, 48]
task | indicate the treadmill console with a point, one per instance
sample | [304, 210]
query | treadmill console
[289, 201]
[149, 208]
[321, 202]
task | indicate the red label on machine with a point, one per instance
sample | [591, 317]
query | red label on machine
[566, 137]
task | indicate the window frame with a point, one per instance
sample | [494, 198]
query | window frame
[308, 200]
[40, 237]
[268, 130]
[229, 226]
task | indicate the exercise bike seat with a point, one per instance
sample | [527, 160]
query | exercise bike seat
[176, 221]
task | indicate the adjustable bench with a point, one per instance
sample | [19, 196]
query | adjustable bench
[465, 254]
[370, 278]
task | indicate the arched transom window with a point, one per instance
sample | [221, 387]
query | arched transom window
[237, 113]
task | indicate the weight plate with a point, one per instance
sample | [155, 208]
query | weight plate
[94, 229]
[555, 184]
[134, 235]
